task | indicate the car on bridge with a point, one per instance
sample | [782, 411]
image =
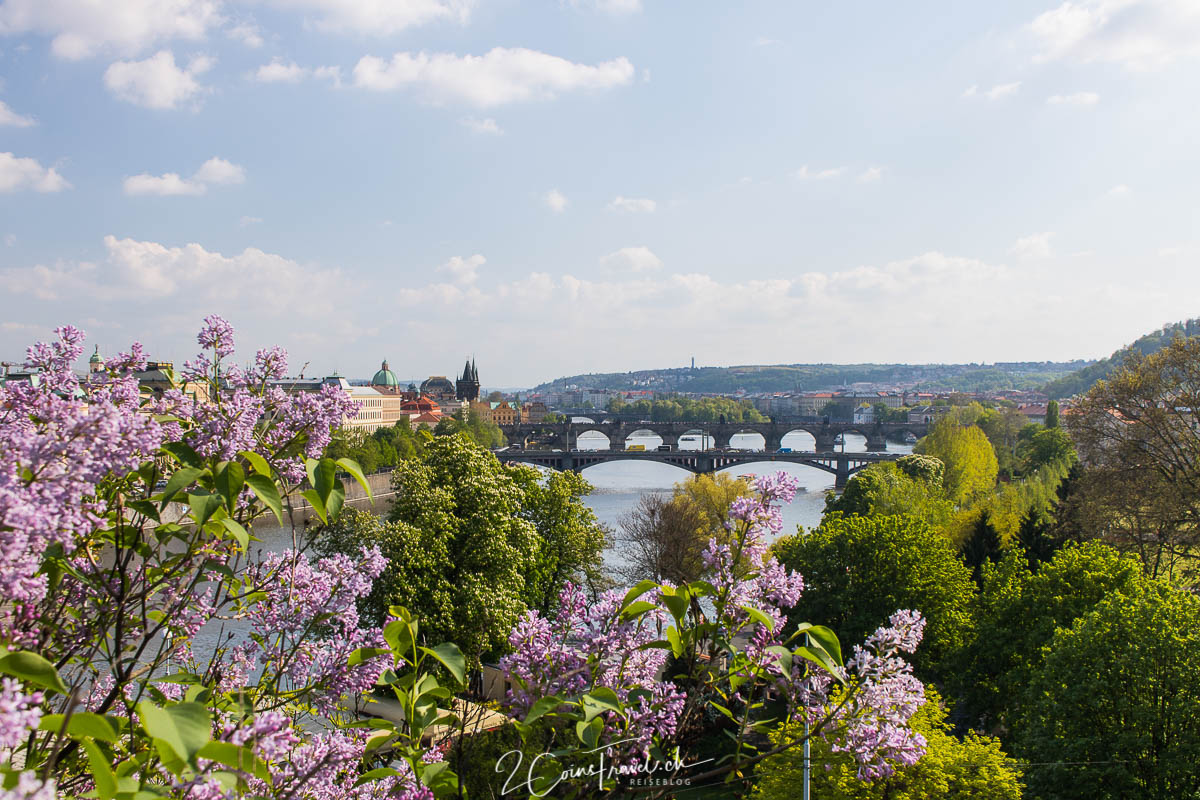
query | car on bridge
[784, 450]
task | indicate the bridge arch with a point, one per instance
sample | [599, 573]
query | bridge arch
[592, 439]
[746, 435]
[800, 440]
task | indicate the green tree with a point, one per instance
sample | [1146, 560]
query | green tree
[1016, 614]
[1052, 414]
[1114, 712]
[970, 459]
[1048, 446]
[969, 768]
[571, 541]
[913, 488]
[860, 570]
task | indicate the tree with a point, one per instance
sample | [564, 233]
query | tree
[970, 460]
[495, 397]
[1138, 436]
[1052, 414]
[662, 538]
[969, 768]
[1016, 614]
[857, 570]
[463, 555]
[981, 547]
[657, 541]
[1114, 711]
[472, 544]
[571, 541]
[1048, 446]
[912, 486]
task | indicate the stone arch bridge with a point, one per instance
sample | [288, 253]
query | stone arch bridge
[563, 435]
[841, 465]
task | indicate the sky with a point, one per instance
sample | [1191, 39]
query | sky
[571, 186]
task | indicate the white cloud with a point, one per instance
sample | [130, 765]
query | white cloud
[84, 28]
[464, 271]
[279, 72]
[995, 93]
[219, 171]
[500, 76]
[1138, 34]
[17, 174]
[633, 259]
[633, 205]
[377, 17]
[804, 173]
[13, 119]
[10, 239]
[1118, 190]
[764, 41]
[556, 201]
[1035, 245]
[156, 82]
[247, 34]
[139, 271]
[215, 171]
[1076, 99]
[488, 125]
[246, 222]
[870, 175]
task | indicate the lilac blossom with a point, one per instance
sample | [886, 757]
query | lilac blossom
[19, 713]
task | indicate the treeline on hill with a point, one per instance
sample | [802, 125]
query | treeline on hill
[677, 407]
[1081, 380]
[385, 448]
[809, 377]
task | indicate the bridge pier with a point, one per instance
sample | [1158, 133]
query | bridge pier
[843, 473]
[824, 441]
[876, 443]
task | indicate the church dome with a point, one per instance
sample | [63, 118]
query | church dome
[385, 377]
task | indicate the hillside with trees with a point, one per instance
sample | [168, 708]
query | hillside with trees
[1083, 379]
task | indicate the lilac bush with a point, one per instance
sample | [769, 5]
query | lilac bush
[126, 531]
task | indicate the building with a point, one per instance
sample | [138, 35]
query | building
[386, 381]
[438, 387]
[467, 387]
[864, 414]
[504, 414]
[534, 412]
[927, 414]
[1034, 412]
[482, 409]
[813, 403]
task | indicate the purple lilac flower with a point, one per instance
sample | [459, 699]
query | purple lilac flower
[19, 713]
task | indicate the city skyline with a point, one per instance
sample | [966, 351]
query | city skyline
[599, 186]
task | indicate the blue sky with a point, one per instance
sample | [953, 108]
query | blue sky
[598, 185]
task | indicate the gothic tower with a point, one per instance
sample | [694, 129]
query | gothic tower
[467, 387]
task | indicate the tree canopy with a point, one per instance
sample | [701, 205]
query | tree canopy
[971, 466]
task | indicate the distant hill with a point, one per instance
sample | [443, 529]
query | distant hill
[1083, 379]
[810, 377]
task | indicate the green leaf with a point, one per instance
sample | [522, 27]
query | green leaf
[317, 503]
[637, 591]
[351, 466]
[203, 506]
[81, 724]
[676, 642]
[451, 658]
[324, 478]
[257, 462]
[676, 604]
[184, 727]
[237, 531]
[363, 654]
[821, 659]
[265, 490]
[828, 641]
[400, 637]
[541, 707]
[229, 479]
[376, 774]
[635, 609]
[377, 739]
[598, 701]
[589, 732]
[239, 758]
[333, 505]
[102, 774]
[759, 617]
[183, 478]
[32, 668]
[183, 453]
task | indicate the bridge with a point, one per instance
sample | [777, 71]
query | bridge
[841, 465]
[564, 435]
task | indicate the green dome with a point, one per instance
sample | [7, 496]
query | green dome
[385, 377]
[96, 359]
